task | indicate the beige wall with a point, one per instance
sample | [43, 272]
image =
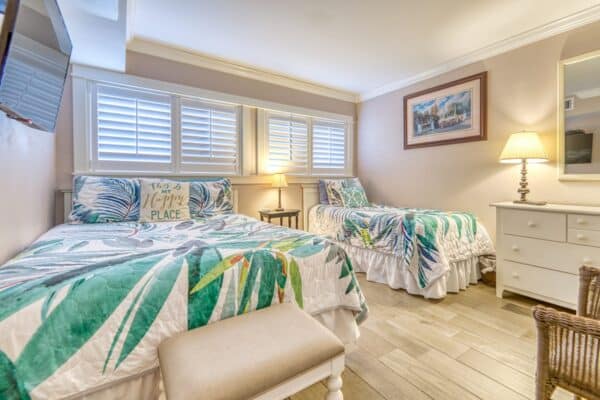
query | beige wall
[251, 197]
[522, 94]
[27, 181]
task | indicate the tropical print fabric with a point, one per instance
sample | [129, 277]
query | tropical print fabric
[209, 198]
[344, 192]
[354, 197]
[334, 192]
[103, 199]
[87, 305]
[427, 241]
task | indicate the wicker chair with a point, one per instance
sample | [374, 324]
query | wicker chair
[568, 352]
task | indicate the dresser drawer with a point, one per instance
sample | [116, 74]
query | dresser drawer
[582, 221]
[584, 237]
[565, 257]
[540, 281]
[535, 224]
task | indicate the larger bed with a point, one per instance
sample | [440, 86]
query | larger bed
[85, 306]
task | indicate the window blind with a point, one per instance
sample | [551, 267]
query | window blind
[329, 146]
[133, 127]
[209, 137]
[287, 143]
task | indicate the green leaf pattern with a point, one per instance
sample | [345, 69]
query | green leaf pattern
[101, 293]
[433, 238]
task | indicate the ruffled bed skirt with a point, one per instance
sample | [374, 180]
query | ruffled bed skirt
[386, 268]
[145, 386]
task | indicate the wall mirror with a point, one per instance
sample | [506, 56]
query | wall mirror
[579, 118]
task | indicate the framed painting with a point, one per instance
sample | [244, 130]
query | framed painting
[451, 113]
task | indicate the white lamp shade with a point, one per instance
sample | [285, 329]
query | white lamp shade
[523, 146]
[279, 181]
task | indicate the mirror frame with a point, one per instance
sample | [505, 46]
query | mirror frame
[561, 120]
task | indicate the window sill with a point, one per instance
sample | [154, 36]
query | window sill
[235, 180]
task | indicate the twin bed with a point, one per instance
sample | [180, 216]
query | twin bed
[86, 305]
[426, 252]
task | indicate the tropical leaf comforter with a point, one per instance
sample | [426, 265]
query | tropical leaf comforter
[87, 305]
[426, 241]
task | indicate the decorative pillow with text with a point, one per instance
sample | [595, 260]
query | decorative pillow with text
[164, 200]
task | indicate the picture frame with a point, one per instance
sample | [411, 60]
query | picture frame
[455, 112]
[569, 103]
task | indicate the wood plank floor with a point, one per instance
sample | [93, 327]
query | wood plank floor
[470, 345]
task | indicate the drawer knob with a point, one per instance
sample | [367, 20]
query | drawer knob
[531, 224]
[580, 221]
[515, 247]
[515, 275]
[581, 236]
[587, 260]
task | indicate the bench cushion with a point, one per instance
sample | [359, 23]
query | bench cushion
[241, 357]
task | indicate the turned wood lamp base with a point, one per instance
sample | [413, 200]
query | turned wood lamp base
[524, 190]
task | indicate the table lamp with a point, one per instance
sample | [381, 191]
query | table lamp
[279, 182]
[524, 147]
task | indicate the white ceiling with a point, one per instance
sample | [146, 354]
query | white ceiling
[354, 45]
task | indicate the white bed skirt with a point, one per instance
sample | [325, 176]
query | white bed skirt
[145, 386]
[386, 268]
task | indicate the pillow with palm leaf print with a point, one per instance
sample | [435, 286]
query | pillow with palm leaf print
[353, 195]
[210, 197]
[346, 192]
[98, 199]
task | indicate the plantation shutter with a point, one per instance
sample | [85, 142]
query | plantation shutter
[133, 129]
[287, 143]
[329, 147]
[209, 137]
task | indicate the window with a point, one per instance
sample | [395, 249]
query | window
[209, 137]
[129, 125]
[303, 145]
[133, 129]
[288, 143]
[148, 131]
[329, 148]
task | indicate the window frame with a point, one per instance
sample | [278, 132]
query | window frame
[250, 135]
[263, 145]
[175, 167]
[133, 166]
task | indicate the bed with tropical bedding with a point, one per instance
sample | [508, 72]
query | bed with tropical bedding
[86, 305]
[426, 252]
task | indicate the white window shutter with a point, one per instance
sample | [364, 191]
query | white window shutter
[133, 130]
[210, 137]
[287, 143]
[329, 147]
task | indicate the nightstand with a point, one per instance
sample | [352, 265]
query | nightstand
[269, 215]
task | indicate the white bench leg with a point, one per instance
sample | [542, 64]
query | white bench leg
[162, 395]
[334, 388]
[334, 382]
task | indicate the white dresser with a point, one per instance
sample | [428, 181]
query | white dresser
[540, 249]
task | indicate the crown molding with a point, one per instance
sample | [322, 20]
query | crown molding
[186, 56]
[567, 23]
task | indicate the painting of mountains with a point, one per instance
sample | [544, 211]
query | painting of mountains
[451, 113]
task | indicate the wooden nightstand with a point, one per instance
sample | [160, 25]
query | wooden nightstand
[269, 215]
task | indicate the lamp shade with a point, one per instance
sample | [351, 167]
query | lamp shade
[523, 146]
[279, 181]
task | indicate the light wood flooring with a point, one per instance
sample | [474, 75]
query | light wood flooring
[470, 345]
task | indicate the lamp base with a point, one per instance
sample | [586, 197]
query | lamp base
[530, 202]
[279, 209]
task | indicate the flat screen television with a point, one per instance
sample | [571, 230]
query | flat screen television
[35, 50]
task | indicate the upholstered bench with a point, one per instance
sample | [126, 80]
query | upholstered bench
[267, 354]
